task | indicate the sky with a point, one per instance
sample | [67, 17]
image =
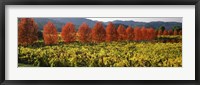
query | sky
[164, 19]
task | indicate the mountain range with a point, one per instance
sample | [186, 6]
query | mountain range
[60, 22]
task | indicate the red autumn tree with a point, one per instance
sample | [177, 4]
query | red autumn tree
[27, 31]
[98, 33]
[170, 32]
[156, 32]
[121, 33]
[50, 34]
[111, 32]
[165, 32]
[68, 33]
[159, 32]
[151, 34]
[138, 34]
[144, 33]
[84, 33]
[175, 32]
[129, 33]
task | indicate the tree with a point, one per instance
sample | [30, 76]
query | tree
[159, 32]
[177, 28]
[27, 31]
[156, 32]
[165, 32]
[111, 33]
[170, 32]
[144, 33]
[98, 33]
[162, 28]
[50, 34]
[151, 34]
[129, 33]
[84, 33]
[121, 33]
[138, 34]
[68, 33]
[175, 32]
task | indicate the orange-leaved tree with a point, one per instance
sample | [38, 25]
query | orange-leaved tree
[50, 34]
[175, 32]
[170, 32]
[68, 33]
[84, 33]
[151, 34]
[98, 33]
[121, 31]
[111, 32]
[129, 33]
[137, 34]
[156, 32]
[144, 33]
[159, 32]
[27, 31]
[165, 32]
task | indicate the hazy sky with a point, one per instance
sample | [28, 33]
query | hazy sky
[167, 19]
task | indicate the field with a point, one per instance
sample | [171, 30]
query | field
[160, 53]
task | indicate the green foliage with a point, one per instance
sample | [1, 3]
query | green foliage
[161, 28]
[177, 28]
[113, 54]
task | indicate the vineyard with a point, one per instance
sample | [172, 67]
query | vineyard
[97, 47]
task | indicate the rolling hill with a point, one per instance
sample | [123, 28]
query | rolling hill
[60, 22]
